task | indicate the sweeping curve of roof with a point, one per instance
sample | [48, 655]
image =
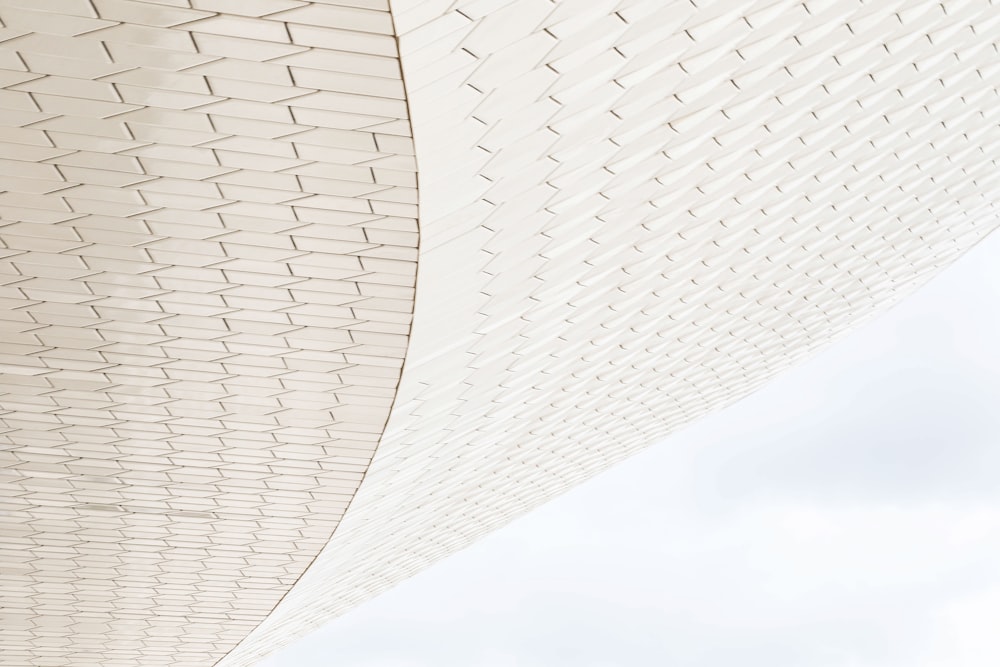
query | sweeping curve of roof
[632, 212]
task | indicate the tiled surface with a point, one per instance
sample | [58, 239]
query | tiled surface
[634, 212]
[207, 257]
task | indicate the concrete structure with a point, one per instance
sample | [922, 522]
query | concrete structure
[631, 213]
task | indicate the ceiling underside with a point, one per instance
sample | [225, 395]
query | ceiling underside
[631, 213]
[207, 265]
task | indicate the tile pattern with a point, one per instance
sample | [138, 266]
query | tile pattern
[207, 258]
[634, 212]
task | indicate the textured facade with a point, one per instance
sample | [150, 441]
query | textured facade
[631, 213]
[209, 253]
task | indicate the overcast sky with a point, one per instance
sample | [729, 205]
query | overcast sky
[848, 514]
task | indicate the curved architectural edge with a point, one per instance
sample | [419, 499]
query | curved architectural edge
[634, 212]
[209, 252]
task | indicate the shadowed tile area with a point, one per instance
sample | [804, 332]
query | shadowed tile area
[207, 257]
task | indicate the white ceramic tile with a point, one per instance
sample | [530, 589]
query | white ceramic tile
[343, 18]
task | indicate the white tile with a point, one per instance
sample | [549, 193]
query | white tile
[243, 49]
[343, 18]
[247, 7]
[54, 23]
[145, 14]
[346, 40]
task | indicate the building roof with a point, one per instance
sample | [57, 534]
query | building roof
[631, 213]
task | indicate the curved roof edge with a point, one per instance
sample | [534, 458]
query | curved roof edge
[633, 213]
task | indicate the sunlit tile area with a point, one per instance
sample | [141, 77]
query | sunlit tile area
[208, 259]
[636, 212]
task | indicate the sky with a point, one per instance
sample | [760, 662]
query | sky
[847, 514]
